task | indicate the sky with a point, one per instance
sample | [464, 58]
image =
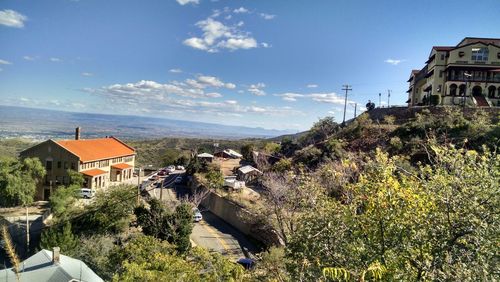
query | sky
[276, 64]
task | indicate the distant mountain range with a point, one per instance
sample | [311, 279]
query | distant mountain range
[41, 124]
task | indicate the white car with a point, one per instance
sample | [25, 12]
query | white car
[197, 215]
[87, 193]
[179, 167]
[170, 169]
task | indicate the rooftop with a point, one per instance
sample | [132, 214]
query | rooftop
[40, 267]
[97, 149]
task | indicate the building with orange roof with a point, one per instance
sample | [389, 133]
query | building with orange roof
[101, 161]
[467, 74]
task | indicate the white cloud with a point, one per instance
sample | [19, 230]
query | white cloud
[267, 16]
[312, 86]
[4, 62]
[265, 45]
[329, 98]
[256, 89]
[210, 80]
[184, 2]
[290, 97]
[240, 23]
[214, 95]
[24, 99]
[87, 74]
[231, 102]
[239, 43]
[12, 18]
[29, 58]
[240, 10]
[56, 60]
[217, 35]
[393, 62]
[175, 70]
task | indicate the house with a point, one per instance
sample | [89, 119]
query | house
[101, 161]
[50, 266]
[205, 157]
[228, 154]
[465, 74]
[248, 173]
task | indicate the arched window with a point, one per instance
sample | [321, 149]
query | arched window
[453, 89]
[461, 90]
[491, 91]
[477, 91]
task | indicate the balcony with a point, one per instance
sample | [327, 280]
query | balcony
[463, 78]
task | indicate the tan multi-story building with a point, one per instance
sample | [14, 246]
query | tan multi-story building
[467, 74]
[101, 161]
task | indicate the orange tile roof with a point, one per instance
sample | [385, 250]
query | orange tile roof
[97, 149]
[121, 166]
[94, 172]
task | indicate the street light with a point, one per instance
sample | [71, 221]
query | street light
[468, 76]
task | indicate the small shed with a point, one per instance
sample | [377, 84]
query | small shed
[228, 154]
[248, 173]
[205, 157]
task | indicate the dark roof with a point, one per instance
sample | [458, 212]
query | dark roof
[471, 40]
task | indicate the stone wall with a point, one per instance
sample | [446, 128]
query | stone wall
[403, 114]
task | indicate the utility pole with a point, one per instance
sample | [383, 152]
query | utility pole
[388, 98]
[347, 88]
[138, 186]
[161, 189]
[27, 232]
[355, 107]
[380, 100]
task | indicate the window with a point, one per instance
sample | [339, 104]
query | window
[440, 73]
[453, 90]
[65, 165]
[461, 54]
[72, 165]
[48, 165]
[442, 57]
[59, 164]
[480, 54]
[491, 91]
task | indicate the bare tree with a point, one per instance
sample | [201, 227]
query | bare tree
[285, 198]
[200, 194]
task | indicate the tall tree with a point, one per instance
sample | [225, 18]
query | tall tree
[18, 180]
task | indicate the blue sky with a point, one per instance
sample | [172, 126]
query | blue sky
[260, 63]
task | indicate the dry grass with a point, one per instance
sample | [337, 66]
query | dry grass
[227, 165]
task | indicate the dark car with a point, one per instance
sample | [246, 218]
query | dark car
[247, 263]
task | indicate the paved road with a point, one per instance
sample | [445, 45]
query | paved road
[212, 232]
[216, 235]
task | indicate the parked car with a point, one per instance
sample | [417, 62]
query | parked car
[87, 193]
[247, 263]
[179, 167]
[162, 173]
[178, 179]
[197, 215]
[170, 169]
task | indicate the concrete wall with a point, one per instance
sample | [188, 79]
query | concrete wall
[239, 218]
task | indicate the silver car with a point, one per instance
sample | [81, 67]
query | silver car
[197, 215]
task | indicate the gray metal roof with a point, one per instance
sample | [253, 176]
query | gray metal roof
[248, 168]
[39, 267]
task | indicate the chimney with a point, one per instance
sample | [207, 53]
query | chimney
[56, 256]
[77, 133]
